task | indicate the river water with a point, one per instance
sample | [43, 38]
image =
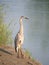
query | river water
[36, 29]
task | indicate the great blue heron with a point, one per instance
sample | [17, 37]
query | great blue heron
[20, 35]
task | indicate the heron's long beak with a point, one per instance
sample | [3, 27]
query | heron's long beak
[26, 17]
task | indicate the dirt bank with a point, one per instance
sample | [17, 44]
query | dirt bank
[9, 57]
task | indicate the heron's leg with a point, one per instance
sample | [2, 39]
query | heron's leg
[17, 49]
[19, 53]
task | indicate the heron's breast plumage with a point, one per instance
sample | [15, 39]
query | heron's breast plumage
[20, 38]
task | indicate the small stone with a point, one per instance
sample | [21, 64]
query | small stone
[0, 60]
[2, 63]
[30, 63]
[0, 55]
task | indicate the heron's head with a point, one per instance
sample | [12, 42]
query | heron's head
[24, 17]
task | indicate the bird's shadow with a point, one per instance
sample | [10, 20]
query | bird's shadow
[5, 51]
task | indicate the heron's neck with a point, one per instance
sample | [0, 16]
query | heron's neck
[21, 27]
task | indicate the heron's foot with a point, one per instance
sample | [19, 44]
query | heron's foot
[20, 54]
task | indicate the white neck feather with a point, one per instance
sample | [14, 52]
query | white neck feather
[21, 26]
